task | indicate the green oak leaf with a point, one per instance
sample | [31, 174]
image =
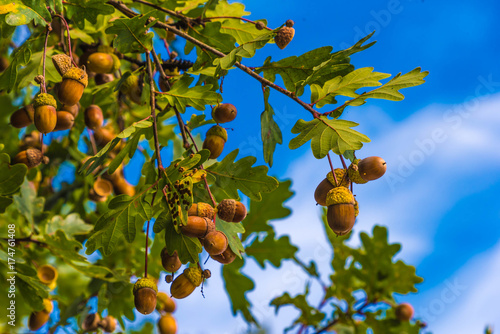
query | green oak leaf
[81, 10]
[212, 35]
[20, 57]
[270, 207]
[187, 248]
[27, 203]
[228, 176]
[181, 95]
[270, 131]
[327, 135]
[23, 12]
[71, 225]
[131, 34]
[271, 249]
[11, 177]
[237, 285]
[243, 32]
[223, 8]
[309, 315]
[231, 231]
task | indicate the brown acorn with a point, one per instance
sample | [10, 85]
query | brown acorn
[22, 117]
[167, 324]
[30, 140]
[215, 243]
[93, 117]
[404, 312]
[145, 291]
[71, 89]
[165, 303]
[224, 113]
[103, 78]
[45, 116]
[62, 63]
[341, 214]
[101, 189]
[73, 110]
[185, 283]
[91, 322]
[201, 209]
[231, 210]
[372, 168]
[108, 324]
[65, 121]
[121, 186]
[47, 274]
[285, 35]
[103, 136]
[100, 62]
[259, 25]
[31, 157]
[214, 141]
[39, 318]
[196, 227]
[226, 257]
[171, 263]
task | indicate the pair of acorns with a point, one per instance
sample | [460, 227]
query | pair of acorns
[93, 322]
[166, 306]
[146, 292]
[333, 192]
[216, 136]
[64, 120]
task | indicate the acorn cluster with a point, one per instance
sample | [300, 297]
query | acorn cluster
[166, 306]
[216, 136]
[94, 322]
[333, 192]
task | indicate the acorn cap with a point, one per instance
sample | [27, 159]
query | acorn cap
[356, 208]
[62, 63]
[129, 83]
[44, 99]
[339, 195]
[340, 174]
[193, 275]
[145, 283]
[284, 36]
[77, 74]
[353, 173]
[116, 62]
[47, 305]
[217, 130]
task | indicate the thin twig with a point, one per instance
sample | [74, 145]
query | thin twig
[146, 252]
[234, 17]
[63, 20]
[43, 86]
[333, 170]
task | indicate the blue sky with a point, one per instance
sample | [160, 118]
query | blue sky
[441, 145]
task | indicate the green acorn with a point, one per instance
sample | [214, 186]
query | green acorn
[100, 62]
[214, 141]
[45, 115]
[145, 291]
[131, 88]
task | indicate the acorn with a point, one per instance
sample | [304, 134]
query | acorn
[215, 243]
[62, 63]
[101, 189]
[167, 324]
[47, 274]
[103, 78]
[39, 318]
[31, 140]
[108, 324]
[404, 312]
[171, 263]
[372, 168]
[31, 157]
[196, 227]
[91, 322]
[340, 214]
[121, 186]
[45, 115]
[226, 257]
[71, 89]
[73, 110]
[353, 172]
[93, 117]
[328, 184]
[231, 210]
[131, 88]
[201, 209]
[4, 63]
[185, 283]
[259, 25]
[65, 121]
[100, 62]
[285, 35]
[103, 136]
[214, 141]
[145, 291]
[224, 113]
[22, 117]
[165, 303]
